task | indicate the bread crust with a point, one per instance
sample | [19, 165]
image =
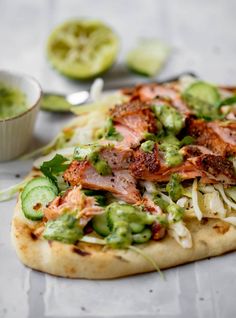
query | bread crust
[91, 261]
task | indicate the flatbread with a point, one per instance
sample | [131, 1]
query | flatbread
[210, 238]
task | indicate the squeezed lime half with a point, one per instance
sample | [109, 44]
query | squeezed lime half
[148, 57]
[82, 49]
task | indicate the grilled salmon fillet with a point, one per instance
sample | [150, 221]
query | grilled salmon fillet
[219, 137]
[168, 92]
[206, 158]
[121, 183]
[135, 115]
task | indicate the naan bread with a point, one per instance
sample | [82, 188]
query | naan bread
[210, 238]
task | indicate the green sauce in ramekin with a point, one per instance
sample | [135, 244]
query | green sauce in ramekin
[12, 102]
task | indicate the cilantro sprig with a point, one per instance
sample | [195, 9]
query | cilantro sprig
[54, 167]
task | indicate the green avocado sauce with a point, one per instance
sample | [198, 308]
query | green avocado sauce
[55, 103]
[12, 101]
[128, 224]
[91, 153]
[64, 229]
[170, 123]
[170, 145]
[169, 117]
[174, 209]
[148, 146]
[174, 187]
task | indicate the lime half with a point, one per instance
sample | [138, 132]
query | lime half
[82, 49]
[148, 57]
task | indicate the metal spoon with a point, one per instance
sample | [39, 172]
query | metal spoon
[56, 102]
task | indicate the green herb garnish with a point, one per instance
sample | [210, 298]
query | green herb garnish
[54, 167]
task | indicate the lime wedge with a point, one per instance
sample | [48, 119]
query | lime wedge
[82, 49]
[148, 57]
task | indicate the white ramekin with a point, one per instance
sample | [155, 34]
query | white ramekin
[16, 132]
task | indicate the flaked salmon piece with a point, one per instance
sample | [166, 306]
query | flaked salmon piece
[117, 157]
[215, 167]
[148, 92]
[219, 137]
[120, 183]
[51, 212]
[75, 201]
[135, 115]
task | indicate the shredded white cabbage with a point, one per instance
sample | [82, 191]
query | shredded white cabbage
[183, 202]
[214, 204]
[92, 240]
[96, 89]
[206, 188]
[230, 203]
[149, 186]
[187, 192]
[196, 207]
[8, 193]
[166, 198]
[102, 105]
[85, 135]
[231, 192]
[42, 150]
[181, 234]
[230, 219]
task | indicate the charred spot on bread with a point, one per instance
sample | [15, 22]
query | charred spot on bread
[221, 227]
[204, 221]
[80, 252]
[120, 258]
[33, 236]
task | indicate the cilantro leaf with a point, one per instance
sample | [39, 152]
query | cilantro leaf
[54, 167]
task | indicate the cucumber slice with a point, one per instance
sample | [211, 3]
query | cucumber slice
[142, 237]
[38, 182]
[148, 57]
[204, 92]
[99, 224]
[204, 99]
[35, 201]
[82, 49]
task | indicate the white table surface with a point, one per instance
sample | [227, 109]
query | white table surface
[202, 34]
